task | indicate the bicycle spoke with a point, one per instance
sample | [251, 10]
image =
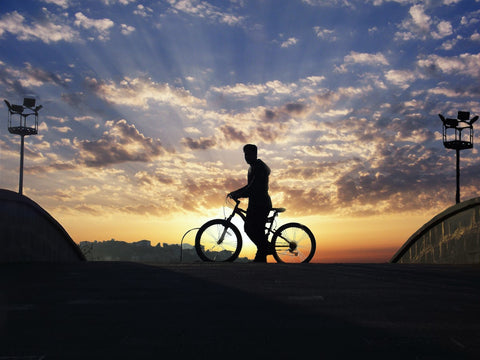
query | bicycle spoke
[218, 240]
[294, 244]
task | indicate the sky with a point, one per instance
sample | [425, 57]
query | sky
[147, 105]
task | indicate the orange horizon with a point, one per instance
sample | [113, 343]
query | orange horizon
[346, 240]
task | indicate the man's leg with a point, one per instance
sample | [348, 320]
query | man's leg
[255, 229]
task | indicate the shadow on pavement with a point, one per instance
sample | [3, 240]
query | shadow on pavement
[136, 311]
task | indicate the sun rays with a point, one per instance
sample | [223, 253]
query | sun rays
[147, 107]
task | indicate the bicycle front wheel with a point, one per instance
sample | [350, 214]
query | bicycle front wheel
[293, 243]
[218, 240]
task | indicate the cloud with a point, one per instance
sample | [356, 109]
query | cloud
[143, 11]
[192, 130]
[127, 29]
[464, 64]
[271, 88]
[159, 177]
[444, 28]
[361, 59]
[241, 90]
[336, 143]
[140, 92]
[232, 134]
[62, 129]
[419, 25]
[62, 3]
[113, 2]
[57, 118]
[450, 93]
[121, 142]
[257, 124]
[289, 42]
[75, 99]
[312, 80]
[198, 144]
[205, 10]
[304, 201]
[343, 100]
[375, 178]
[51, 167]
[402, 78]
[84, 118]
[420, 22]
[398, 172]
[295, 108]
[326, 98]
[50, 30]
[22, 80]
[475, 36]
[384, 174]
[101, 26]
[281, 114]
[449, 44]
[330, 3]
[365, 58]
[325, 34]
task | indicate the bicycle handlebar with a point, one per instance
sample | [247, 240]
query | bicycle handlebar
[237, 206]
[236, 200]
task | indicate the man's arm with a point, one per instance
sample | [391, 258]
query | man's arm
[244, 192]
[253, 184]
[240, 193]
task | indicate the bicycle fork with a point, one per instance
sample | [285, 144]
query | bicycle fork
[225, 230]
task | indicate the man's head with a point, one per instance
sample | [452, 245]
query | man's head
[250, 152]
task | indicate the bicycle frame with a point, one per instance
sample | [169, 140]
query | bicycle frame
[270, 220]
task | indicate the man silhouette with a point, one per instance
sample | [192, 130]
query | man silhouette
[259, 202]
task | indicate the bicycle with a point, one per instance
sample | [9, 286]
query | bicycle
[220, 240]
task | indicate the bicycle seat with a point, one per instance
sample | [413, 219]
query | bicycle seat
[279, 210]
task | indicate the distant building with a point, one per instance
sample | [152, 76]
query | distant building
[140, 251]
[145, 243]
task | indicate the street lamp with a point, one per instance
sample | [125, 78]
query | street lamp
[454, 137]
[18, 125]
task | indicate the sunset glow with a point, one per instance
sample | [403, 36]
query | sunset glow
[147, 105]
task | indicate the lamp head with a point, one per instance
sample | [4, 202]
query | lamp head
[8, 104]
[29, 102]
[463, 115]
[451, 122]
[17, 109]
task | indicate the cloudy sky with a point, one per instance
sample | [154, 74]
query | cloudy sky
[147, 105]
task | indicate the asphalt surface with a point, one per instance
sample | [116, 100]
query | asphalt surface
[104, 310]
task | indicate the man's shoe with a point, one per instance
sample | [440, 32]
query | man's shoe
[260, 257]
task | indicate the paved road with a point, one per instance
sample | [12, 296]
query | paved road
[329, 311]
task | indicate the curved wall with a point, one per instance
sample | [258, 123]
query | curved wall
[29, 233]
[451, 237]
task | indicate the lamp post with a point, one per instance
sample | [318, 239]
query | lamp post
[455, 138]
[18, 125]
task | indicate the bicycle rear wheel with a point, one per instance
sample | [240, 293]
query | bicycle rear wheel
[218, 240]
[293, 243]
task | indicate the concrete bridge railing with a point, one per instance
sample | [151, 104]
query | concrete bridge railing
[451, 237]
[28, 233]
